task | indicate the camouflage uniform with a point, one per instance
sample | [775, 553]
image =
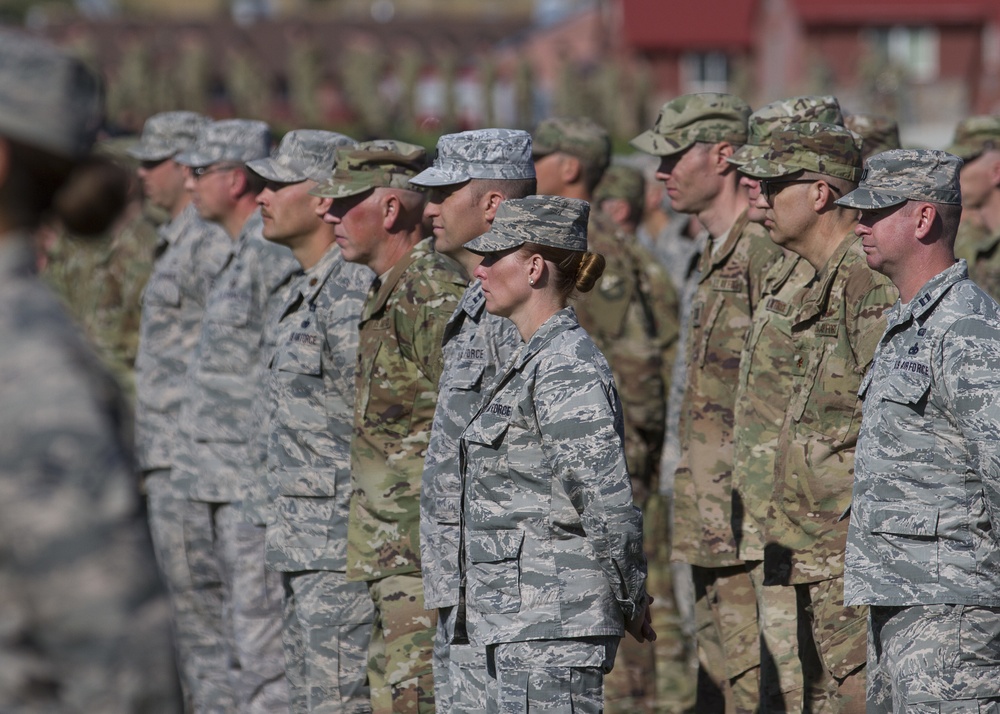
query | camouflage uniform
[920, 549]
[476, 345]
[548, 592]
[214, 460]
[877, 133]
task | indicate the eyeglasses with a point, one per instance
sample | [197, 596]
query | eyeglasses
[770, 188]
[199, 171]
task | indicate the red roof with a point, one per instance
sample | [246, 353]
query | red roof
[897, 12]
[688, 24]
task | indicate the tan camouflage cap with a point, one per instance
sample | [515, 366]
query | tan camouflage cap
[48, 99]
[621, 181]
[708, 117]
[877, 133]
[229, 140]
[577, 136]
[302, 154]
[479, 154]
[373, 164]
[900, 175]
[975, 135]
[766, 120]
[554, 221]
[166, 134]
[810, 146]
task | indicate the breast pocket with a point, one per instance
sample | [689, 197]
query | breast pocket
[494, 575]
[162, 290]
[907, 534]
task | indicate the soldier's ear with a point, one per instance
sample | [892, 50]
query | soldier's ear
[719, 153]
[391, 211]
[491, 201]
[925, 214]
[570, 169]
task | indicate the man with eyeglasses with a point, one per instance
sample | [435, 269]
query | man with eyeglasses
[216, 416]
[835, 322]
[189, 254]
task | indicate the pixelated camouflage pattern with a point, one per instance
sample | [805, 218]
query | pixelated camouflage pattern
[83, 623]
[721, 313]
[48, 99]
[708, 117]
[766, 120]
[877, 133]
[925, 490]
[479, 154]
[975, 135]
[981, 250]
[303, 154]
[476, 345]
[373, 164]
[190, 253]
[166, 134]
[581, 137]
[899, 175]
[554, 221]
[215, 420]
[552, 542]
[625, 182]
[399, 367]
[228, 140]
[809, 146]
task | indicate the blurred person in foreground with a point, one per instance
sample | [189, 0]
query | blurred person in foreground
[83, 624]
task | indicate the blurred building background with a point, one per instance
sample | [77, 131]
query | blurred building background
[417, 68]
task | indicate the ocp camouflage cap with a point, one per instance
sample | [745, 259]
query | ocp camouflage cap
[581, 137]
[228, 140]
[166, 134]
[621, 181]
[766, 120]
[877, 133]
[302, 154]
[975, 135]
[809, 146]
[900, 175]
[709, 117]
[554, 221]
[479, 154]
[373, 164]
[48, 99]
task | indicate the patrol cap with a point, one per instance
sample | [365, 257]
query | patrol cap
[166, 134]
[877, 133]
[373, 164]
[975, 135]
[479, 154]
[621, 181]
[766, 120]
[233, 140]
[708, 117]
[577, 136]
[48, 99]
[900, 175]
[302, 154]
[810, 146]
[554, 221]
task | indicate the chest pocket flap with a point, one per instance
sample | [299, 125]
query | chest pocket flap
[467, 376]
[302, 353]
[906, 387]
[490, 428]
[232, 309]
[903, 519]
[162, 290]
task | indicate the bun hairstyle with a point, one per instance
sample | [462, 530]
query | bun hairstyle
[575, 270]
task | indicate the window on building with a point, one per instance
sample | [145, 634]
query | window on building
[913, 49]
[704, 72]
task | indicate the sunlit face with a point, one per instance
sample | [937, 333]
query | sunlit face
[504, 279]
[288, 211]
[455, 217]
[355, 220]
[786, 209]
[887, 238]
[211, 190]
[752, 185]
[690, 178]
[163, 183]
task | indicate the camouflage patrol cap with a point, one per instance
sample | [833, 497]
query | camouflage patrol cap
[810, 146]
[479, 154]
[48, 99]
[975, 135]
[577, 136]
[373, 164]
[709, 117]
[230, 140]
[900, 175]
[766, 120]
[166, 134]
[302, 154]
[554, 221]
[877, 133]
[621, 181]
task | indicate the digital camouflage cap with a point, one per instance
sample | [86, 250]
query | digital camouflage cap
[577, 136]
[302, 154]
[373, 164]
[554, 221]
[900, 175]
[166, 134]
[479, 154]
[825, 149]
[766, 120]
[975, 135]
[48, 99]
[229, 140]
[877, 133]
[709, 117]
[624, 182]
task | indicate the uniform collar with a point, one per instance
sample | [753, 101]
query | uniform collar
[711, 257]
[818, 297]
[315, 278]
[559, 323]
[387, 281]
[929, 295]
